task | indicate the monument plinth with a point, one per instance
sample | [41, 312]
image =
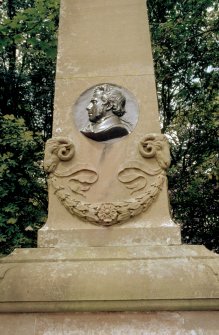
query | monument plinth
[109, 243]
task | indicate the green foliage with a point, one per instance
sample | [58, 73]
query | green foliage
[185, 49]
[22, 185]
[28, 47]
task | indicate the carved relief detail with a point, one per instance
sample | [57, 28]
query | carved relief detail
[78, 178]
[154, 145]
[57, 149]
[107, 214]
[133, 174]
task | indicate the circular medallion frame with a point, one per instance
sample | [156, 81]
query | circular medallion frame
[106, 112]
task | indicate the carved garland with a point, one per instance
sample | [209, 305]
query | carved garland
[107, 214]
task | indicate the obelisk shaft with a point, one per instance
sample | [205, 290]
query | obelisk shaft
[110, 182]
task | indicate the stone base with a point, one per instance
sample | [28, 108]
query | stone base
[170, 323]
[93, 236]
[146, 278]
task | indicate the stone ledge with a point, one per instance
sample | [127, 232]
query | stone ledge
[109, 279]
[156, 323]
[111, 236]
[110, 306]
[100, 253]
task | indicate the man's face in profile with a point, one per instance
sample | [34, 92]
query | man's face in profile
[96, 108]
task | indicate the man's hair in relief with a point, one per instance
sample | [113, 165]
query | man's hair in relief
[112, 97]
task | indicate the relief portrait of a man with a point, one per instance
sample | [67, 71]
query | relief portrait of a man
[105, 111]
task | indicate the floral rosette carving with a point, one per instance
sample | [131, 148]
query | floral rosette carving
[107, 213]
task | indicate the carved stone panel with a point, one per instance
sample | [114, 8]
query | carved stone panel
[143, 182]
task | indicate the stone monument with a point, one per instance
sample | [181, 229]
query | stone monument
[109, 243]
